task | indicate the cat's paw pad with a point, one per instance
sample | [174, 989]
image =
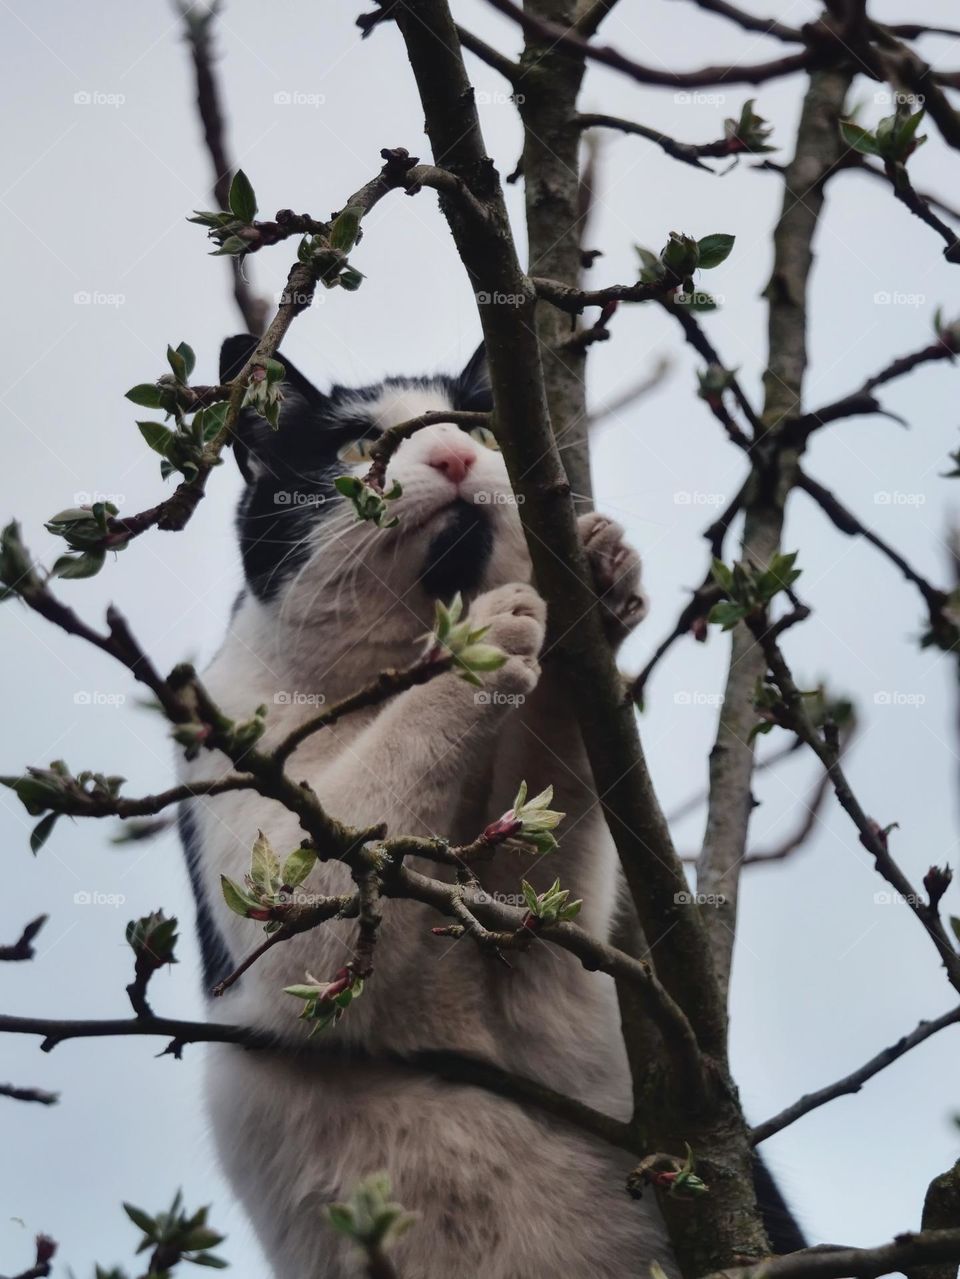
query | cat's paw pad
[516, 617]
[616, 570]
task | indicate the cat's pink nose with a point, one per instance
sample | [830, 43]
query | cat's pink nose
[452, 459]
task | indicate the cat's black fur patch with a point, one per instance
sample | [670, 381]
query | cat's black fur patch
[290, 473]
[459, 553]
[214, 953]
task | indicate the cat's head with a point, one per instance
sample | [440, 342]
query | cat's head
[304, 551]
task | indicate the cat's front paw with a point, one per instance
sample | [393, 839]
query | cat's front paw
[516, 617]
[616, 574]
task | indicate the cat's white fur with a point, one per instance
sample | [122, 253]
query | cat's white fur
[501, 1191]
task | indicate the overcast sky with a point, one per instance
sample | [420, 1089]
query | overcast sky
[103, 163]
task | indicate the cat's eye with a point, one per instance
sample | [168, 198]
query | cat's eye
[483, 435]
[356, 451]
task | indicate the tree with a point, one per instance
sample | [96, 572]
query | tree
[674, 1004]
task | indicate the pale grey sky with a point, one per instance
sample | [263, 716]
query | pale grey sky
[95, 192]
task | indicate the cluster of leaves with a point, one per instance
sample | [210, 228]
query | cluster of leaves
[184, 446]
[454, 635]
[552, 906]
[55, 790]
[268, 886]
[264, 391]
[230, 230]
[327, 255]
[679, 258]
[86, 530]
[749, 590]
[174, 1236]
[749, 133]
[528, 821]
[153, 939]
[369, 1217]
[194, 735]
[894, 140]
[368, 502]
[325, 1002]
[235, 232]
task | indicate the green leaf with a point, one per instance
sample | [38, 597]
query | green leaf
[74, 567]
[351, 279]
[860, 139]
[955, 925]
[265, 864]
[343, 233]
[41, 832]
[714, 249]
[178, 363]
[298, 866]
[142, 1220]
[243, 202]
[158, 436]
[727, 615]
[147, 394]
[722, 575]
[209, 1259]
[235, 897]
[188, 357]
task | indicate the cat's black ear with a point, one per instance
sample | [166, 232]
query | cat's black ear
[256, 445]
[472, 388]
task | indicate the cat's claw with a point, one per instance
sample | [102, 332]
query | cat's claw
[616, 573]
[516, 619]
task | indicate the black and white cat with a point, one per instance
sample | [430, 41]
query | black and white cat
[500, 1190]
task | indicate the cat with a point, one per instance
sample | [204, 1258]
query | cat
[498, 1188]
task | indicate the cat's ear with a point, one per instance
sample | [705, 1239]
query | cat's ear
[257, 446]
[472, 388]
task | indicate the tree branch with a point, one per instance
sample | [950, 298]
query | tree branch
[853, 1082]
